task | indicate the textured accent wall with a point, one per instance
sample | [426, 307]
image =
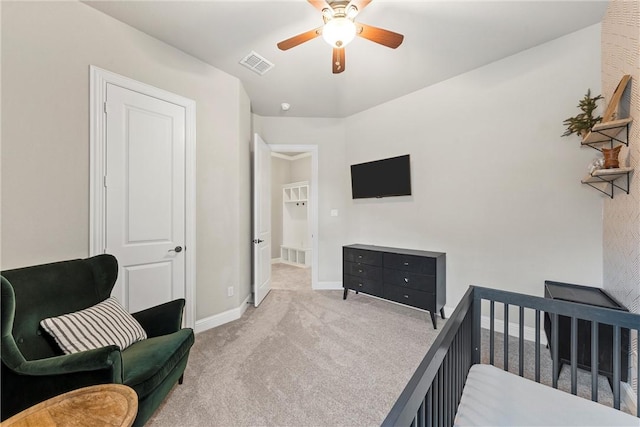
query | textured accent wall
[621, 218]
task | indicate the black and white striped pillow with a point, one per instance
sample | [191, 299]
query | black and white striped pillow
[103, 324]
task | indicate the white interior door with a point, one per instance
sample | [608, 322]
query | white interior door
[145, 197]
[261, 219]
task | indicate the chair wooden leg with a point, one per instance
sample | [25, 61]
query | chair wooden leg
[181, 379]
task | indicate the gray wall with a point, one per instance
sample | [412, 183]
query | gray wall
[301, 169]
[47, 48]
[494, 184]
[280, 175]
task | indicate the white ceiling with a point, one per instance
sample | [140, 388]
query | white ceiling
[442, 39]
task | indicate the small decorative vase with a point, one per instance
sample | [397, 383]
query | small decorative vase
[611, 157]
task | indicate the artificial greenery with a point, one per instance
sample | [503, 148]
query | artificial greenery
[583, 122]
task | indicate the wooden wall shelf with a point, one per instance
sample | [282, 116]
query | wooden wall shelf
[606, 178]
[607, 133]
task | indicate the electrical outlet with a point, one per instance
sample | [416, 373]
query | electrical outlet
[230, 291]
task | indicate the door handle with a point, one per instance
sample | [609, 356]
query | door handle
[256, 241]
[177, 249]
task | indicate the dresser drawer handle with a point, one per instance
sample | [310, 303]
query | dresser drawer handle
[359, 256]
[406, 296]
[406, 263]
[359, 271]
[360, 284]
[406, 280]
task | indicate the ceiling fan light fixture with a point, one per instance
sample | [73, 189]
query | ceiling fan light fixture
[352, 11]
[339, 32]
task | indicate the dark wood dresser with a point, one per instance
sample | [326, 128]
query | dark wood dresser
[407, 276]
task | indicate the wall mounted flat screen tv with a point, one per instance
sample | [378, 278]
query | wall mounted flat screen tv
[381, 178]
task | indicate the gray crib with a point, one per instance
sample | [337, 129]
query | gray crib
[436, 392]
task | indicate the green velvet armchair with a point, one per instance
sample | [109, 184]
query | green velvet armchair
[35, 369]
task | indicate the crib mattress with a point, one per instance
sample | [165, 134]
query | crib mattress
[493, 397]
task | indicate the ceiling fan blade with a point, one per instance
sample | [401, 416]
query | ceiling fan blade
[379, 35]
[299, 39]
[359, 5]
[338, 60]
[320, 4]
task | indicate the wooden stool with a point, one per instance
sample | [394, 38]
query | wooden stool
[94, 406]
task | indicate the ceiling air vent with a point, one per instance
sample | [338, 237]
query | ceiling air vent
[256, 63]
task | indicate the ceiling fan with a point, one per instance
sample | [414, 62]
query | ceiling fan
[340, 28]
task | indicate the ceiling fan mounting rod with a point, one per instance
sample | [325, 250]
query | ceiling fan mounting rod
[339, 9]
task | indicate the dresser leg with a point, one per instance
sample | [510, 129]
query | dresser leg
[442, 313]
[433, 320]
[344, 295]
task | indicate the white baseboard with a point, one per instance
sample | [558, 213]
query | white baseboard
[628, 397]
[222, 318]
[276, 260]
[328, 286]
[529, 332]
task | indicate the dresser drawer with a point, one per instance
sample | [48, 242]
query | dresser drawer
[414, 264]
[406, 279]
[362, 270]
[412, 297]
[363, 256]
[368, 286]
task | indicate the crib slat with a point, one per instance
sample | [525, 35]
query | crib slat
[429, 408]
[492, 308]
[440, 397]
[452, 395]
[574, 355]
[537, 361]
[436, 401]
[452, 407]
[594, 361]
[554, 349]
[616, 367]
[456, 372]
[638, 374]
[506, 337]
[447, 389]
[521, 343]
[475, 336]
[421, 411]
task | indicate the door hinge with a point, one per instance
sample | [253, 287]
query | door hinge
[105, 108]
[104, 181]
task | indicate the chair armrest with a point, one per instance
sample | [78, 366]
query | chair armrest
[105, 358]
[162, 319]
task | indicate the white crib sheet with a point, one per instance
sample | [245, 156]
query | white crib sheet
[493, 397]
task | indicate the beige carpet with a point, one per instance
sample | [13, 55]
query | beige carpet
[303, 358]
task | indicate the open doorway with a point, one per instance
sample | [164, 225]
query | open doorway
[294, 207]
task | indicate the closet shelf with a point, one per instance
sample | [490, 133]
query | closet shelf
[296, 235]
[296, 192]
